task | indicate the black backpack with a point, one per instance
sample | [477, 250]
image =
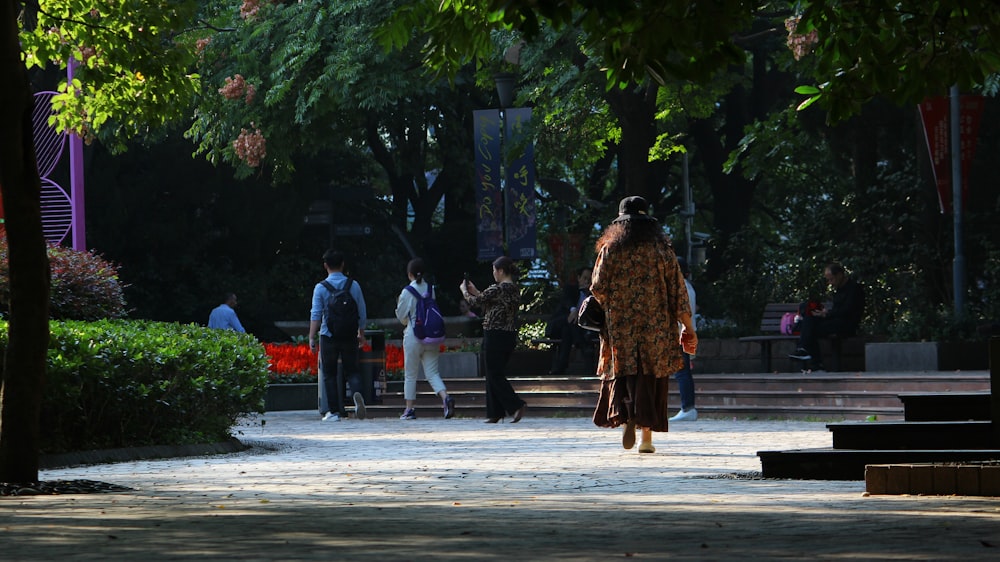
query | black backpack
[342, 312]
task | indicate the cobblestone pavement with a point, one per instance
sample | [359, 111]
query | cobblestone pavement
[543, 489]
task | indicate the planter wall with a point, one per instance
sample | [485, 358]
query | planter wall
[282, 397]
[927, 356]
[455, 365]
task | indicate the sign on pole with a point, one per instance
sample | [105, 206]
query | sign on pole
[934, 114]
[520, 186]
[489, 205]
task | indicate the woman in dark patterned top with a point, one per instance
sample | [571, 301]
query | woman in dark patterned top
[499, 303]
[639, 284]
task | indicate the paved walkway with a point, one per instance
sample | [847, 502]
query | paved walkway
[543, 489]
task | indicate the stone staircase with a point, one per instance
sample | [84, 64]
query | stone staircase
[823, 396]
[954, 427]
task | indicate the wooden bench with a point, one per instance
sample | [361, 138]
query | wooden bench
[770, 328]
[770, 331]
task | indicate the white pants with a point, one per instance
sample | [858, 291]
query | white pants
[415, 356]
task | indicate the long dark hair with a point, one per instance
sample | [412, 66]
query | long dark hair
[623, 235]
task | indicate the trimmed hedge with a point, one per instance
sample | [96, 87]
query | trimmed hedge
[127, 383]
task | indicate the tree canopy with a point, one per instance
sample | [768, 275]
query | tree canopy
[902, 50]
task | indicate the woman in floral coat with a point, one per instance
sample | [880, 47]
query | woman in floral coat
[638, 283]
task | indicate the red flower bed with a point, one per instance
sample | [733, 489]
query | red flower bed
[296, 359]
[291, 358]
[393, 358]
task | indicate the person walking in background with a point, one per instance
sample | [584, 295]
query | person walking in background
[842, 318]
[685, 381]
[639, 285]
[339, 337]
[223, 317]
[498, 303]
[417, 354]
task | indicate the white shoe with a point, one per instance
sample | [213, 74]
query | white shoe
[331, 416]
[685, 415]
[359, 406]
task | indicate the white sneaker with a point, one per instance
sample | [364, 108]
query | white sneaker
[331, 416]
[359, 406]
[685, 415]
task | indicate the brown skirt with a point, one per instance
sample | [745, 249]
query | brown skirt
[642, 399]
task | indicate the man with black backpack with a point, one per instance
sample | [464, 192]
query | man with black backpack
[337, 325]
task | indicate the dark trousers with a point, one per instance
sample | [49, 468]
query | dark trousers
[685, 384]
[500, 396]
[330, 351]
[575, 336]
[812, 328]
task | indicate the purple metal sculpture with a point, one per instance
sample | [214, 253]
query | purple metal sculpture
[59, 214]
[57, 208]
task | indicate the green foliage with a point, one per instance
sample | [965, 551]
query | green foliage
[294, 378]
[633, 40]
[528, 332]
[856, 193]
[132, 64]
[902, 50]
[304, 97]
[119, 383]
[84, 286]
[932, 324]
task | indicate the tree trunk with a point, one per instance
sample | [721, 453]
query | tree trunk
[24, 363]
[635, 108]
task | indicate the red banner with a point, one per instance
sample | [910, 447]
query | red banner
[934, 114]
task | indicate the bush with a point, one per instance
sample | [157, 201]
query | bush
[85, 286]
[123, 383]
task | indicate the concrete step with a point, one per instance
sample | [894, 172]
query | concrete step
[913, 435]
[818, 396]
[849, 464]
[856, 396]
[950, 406]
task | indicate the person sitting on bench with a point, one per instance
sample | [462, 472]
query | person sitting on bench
[570, 333]
[841, 319]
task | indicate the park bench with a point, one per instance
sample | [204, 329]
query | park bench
[770, 332]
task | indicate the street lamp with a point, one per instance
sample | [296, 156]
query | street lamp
[505, 88]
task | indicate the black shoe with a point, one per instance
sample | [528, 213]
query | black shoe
[801, 355]
[449, 408]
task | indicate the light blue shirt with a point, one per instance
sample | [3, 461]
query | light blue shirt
[321, 295]
[223, 317]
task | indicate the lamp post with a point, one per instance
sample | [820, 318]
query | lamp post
[505, 88]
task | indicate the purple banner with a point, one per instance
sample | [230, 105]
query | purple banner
[520, 185]
[489, 205]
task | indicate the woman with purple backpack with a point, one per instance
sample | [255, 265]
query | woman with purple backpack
[417, 353]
